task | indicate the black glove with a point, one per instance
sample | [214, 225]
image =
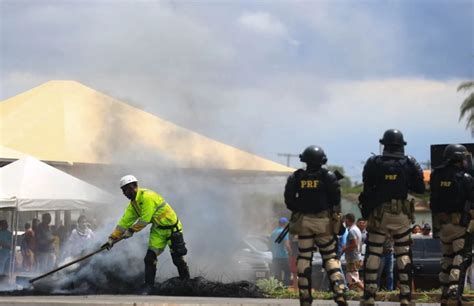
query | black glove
[108, 245]
[128, 233]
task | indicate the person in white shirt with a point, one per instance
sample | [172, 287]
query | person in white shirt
[81, 237]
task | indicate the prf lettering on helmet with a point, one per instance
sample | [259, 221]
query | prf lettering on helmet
[445, 184]
[309, 184]
[390, 177]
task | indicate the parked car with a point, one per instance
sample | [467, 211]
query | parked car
[426, 254]
[254, 258]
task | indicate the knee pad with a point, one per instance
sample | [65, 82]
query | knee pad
[307, 272]
[408, 270]
[338, 287]
[150, 258]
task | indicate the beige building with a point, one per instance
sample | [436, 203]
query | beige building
[80, 129]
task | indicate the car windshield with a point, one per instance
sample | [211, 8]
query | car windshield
[432, 248]
[417, 248]
[259, 243]
[426, 248]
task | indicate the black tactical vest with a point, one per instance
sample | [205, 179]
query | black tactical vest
[447, 192]
[312, 191]
[391, 178]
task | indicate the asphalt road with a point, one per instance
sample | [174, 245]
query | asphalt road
[134, 300]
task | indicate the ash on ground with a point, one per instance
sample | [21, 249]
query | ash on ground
[197, 286]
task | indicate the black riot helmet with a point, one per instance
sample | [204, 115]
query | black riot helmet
[455, 153]
[313, 155]
[393, 137]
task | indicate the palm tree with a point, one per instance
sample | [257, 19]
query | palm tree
[467, 106]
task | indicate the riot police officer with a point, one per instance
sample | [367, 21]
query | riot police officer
[314, 197]
[387, 179]
[452, 191]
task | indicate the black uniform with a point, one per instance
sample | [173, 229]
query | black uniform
[312, 191]
[388, 177]
[387, 180]
[452, 190]
[314, 195]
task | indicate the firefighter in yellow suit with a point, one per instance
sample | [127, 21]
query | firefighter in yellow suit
[148, 207]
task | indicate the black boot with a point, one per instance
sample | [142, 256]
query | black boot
[182, 265]
[150, 271]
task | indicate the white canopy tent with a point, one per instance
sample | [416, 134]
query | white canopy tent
[31, 185]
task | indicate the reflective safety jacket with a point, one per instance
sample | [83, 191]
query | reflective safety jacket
[148, 207]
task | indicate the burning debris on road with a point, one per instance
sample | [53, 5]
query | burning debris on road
[197, 286]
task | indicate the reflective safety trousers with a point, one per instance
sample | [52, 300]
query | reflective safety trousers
[149, 207]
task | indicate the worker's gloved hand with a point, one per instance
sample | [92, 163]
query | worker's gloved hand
[109, 244]
[127, 234]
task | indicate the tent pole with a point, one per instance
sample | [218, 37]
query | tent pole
[14, 227]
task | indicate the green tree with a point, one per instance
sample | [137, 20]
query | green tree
[346, 181]
[467, 106]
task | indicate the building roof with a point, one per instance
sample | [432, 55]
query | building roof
[69, 122]
[426, 176]
[10, 154]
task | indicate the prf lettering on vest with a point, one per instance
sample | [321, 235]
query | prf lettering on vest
[309, 184]
[390, 177]
[445, 184]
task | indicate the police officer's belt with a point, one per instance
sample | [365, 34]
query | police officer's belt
[394, 206]
[445, 218]
[321, 214]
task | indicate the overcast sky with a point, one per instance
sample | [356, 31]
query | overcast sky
[264, 76]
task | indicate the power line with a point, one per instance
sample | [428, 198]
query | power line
[288, 157]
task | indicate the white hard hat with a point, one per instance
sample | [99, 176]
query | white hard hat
[127, 179]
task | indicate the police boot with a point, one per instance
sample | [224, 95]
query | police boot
[368, 302]
[405, 300]
[453, 292]
[306, 301]
[340, 300]
[339, 289]
[443, 300]
[368, 299]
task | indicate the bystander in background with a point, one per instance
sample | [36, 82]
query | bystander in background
[80, 239]
[386, 265]
[5, 247]
[281, 253]
[27, 248]
[45, 252]
[352, 251]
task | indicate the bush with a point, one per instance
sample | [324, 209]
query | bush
[270, 285]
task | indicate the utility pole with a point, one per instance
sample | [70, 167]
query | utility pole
[288, 156]
[427, 165]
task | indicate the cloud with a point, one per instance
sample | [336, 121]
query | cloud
[229, 71]
[267, 24]
[263, 22]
